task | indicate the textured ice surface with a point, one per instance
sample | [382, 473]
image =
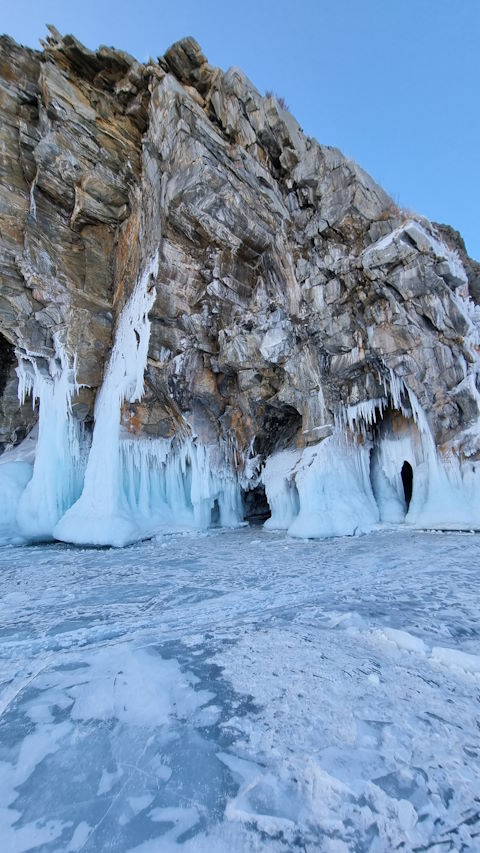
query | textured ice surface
[240, 690]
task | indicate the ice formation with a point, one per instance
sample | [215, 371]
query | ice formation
[157, 485]
[177, 485]
[325, 491]
[135, 488]
[353, 479]
[37, 493]
[281, 491]
[100, 516]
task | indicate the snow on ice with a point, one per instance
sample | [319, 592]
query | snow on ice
[241, 690]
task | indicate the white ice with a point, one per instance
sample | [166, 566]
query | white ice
[99, 516]
[241, 690]
[41, 478]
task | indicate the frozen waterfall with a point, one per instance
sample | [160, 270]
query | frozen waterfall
[100, 515]
[35, 494]
[135, 488]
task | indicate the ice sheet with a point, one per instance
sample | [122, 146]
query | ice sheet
[241, 690]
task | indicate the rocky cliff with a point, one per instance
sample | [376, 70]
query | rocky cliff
[292, 314]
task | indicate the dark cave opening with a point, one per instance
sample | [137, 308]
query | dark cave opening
[7, 358]
[280, 426]
[215, 514]
[255, 505]
[407, 480]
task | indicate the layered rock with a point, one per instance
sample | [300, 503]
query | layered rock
[293, 302]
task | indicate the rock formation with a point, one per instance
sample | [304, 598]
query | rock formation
[258, 312]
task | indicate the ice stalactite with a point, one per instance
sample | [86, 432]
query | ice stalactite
[360, 417]
[174, 484]
[101, 515]
[57, 474]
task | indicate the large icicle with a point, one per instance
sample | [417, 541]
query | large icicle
[58, 468]
[101, 515]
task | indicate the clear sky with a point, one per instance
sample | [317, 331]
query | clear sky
[393, 83]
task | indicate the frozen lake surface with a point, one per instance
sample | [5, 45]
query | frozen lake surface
[240, 691]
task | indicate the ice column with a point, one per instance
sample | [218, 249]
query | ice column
[281, 491]
[58, 471]
[101, 515]
[333, 482]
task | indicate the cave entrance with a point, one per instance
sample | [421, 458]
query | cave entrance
[279, 429]
[7, 360]
[407, 480]
[255, 505]
[215, 514]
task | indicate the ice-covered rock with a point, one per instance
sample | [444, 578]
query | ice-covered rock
[296, 310]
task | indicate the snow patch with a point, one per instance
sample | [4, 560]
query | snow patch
[456, 659]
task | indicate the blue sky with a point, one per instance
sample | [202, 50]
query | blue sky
[393, 83]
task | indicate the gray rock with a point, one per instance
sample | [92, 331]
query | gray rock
[289, 283]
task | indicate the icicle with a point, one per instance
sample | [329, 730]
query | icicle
[100, 516]
[360, 416]
[175, 485]
[58, 468]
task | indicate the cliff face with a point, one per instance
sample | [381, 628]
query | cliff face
[290, 294]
